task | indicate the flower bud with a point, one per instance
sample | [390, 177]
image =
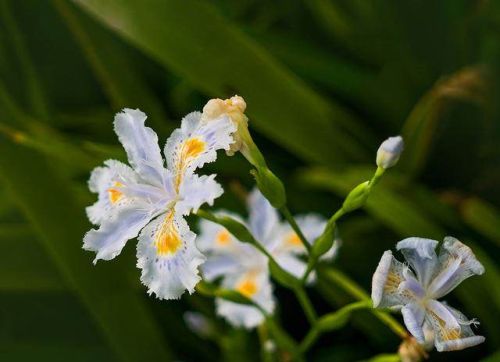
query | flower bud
[389, 152]
[357, 197]
[198, 324]
[234, 108]
[270, 186]
[411, 351]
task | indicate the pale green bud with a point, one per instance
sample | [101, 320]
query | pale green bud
[357, 197]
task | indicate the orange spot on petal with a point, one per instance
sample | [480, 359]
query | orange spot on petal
[115, 194]
[293, 239]
[247, 287]
[223, 238]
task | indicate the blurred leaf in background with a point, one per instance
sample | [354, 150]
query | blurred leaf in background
[325, 82]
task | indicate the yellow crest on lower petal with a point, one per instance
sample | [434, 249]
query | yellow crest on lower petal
[293, 239]
[167, 239]
[223, 238]
[247, 287]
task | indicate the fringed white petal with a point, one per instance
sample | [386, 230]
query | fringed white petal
[141, 144]
[168, 257]
[452, 329]
[413, 316]
[197, 142]
[197, 190]
[109, 240]
[108, 183]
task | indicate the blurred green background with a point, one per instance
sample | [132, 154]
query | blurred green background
[325, 82]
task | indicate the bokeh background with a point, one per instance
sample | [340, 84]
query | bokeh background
[325, 81]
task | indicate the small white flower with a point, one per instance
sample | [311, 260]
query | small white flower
[244, 268]
[416, 291]
[153, 198]
[389, 152]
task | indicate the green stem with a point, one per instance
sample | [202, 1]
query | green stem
[288, 216]
[352, 288]
[313, 261]
[266, 354]
[306, 304]
[309, 340]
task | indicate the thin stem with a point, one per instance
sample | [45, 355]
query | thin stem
[309, 340]
[313, 261]
[265, 353]
[288, 216]
[306, 304]
[352, 288]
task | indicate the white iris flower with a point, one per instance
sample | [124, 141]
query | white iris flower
[417, 290]
[244, 268]
[149, 200]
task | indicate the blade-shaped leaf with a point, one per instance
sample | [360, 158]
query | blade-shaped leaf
[195, 41]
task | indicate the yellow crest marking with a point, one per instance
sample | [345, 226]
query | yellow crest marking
[247, 287]
[448, 334]
[392, 282]
[115, 194]
[167, 240]
[293, 239]
[223, 238]
[191, 148]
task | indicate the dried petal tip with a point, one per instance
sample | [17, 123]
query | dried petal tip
[233, 108]
[389, 152]
[411, 351]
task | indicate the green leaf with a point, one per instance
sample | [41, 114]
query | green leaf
[483, 217]
[34, 271]
[419, 129]
[123, 85]
[46, 199]
[288, 111]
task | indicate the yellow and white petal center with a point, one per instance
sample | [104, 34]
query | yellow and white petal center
[248, 287]
[114, 193]
[222, 238]
[167, 240]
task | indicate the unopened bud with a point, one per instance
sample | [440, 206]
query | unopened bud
[234, 108]
[389, 152]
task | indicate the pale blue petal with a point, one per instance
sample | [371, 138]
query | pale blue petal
[421, 255]
[452, 330]
[109, 240]
[386, 283]
[413, 316]
[263, 218]
[141, 144]
[197, 190]
[242, 315]
[457, 263]
[219, 265]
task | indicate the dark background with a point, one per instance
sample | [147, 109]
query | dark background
[325, 82]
